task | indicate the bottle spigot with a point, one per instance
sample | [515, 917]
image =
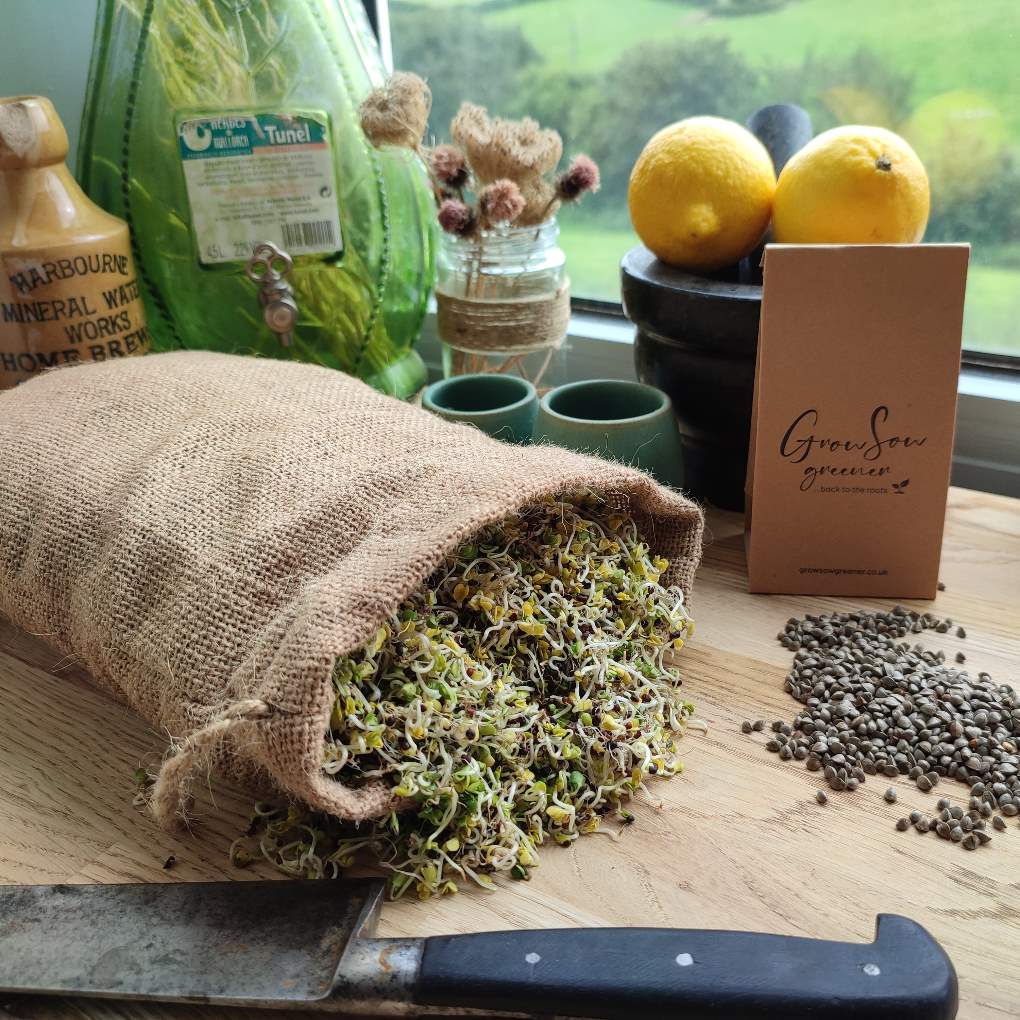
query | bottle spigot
[269, 267]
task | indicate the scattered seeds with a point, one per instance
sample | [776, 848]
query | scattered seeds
[169, 862]
[999, 823]
[890, 795]
[903, 824]
[746, 727]
[960, 657]
[982, 837]
[758, 725]
[942, 828]
[915, 816]
[941, 586]
[822, 797]
[956, 833]
[922, 824]
[872, 702]
[970, 842]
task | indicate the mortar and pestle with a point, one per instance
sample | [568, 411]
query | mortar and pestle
[697, 338]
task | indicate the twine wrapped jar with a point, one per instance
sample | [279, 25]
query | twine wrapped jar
[504, 300]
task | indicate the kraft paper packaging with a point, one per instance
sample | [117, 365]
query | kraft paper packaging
[854, 412]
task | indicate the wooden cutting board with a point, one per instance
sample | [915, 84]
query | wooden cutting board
[736, 842]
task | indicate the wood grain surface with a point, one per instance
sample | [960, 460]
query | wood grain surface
[736, 842]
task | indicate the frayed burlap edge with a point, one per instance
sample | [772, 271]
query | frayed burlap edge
[226, 734]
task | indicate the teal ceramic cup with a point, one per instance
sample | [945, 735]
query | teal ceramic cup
[623, 421]
[504, 406]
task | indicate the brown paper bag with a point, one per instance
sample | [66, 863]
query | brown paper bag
[853, 416]
[206, 534]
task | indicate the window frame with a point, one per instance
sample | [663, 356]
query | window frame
[986, 450]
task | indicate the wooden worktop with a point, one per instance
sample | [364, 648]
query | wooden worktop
[738, 841]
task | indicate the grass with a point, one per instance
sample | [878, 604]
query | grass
[593, 257]
[993, 310]
[993, 293]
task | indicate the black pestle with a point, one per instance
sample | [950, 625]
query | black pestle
[783, 129]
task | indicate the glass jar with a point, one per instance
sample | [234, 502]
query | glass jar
[271, 90]
[504, 300]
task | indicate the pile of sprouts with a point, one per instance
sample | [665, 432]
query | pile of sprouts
[522, 695]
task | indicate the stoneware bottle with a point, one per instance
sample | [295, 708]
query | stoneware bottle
[68, 291]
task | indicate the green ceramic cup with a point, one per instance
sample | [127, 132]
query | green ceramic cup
[504, 406]
[616, 419]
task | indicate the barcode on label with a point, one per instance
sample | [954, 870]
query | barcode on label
[315, 234]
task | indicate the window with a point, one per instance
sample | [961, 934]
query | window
[609, 73]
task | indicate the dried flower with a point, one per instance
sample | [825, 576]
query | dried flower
[497, 148]
[540, 202]
[501, 201]
[456, 218]
[397, 113]
[582, 175]
[449, 166]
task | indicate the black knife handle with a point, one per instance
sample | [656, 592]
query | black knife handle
[632, 973]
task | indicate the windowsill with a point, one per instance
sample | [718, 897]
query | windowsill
[990, 384]
[986, 453]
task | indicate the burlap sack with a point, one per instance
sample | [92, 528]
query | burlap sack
[205, 534]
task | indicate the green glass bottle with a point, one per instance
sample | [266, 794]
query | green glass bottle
[213, 125]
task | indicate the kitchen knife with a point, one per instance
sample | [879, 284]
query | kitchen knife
[307, 945]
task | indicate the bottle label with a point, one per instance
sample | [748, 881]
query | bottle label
[255, 177]
[66, 305]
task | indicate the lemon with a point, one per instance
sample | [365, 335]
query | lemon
[852, 185]
[700, 193]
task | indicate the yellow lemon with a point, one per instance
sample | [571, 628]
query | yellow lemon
[700, 194]
[852, 185]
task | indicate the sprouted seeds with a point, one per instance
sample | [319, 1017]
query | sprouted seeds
[521, 695]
